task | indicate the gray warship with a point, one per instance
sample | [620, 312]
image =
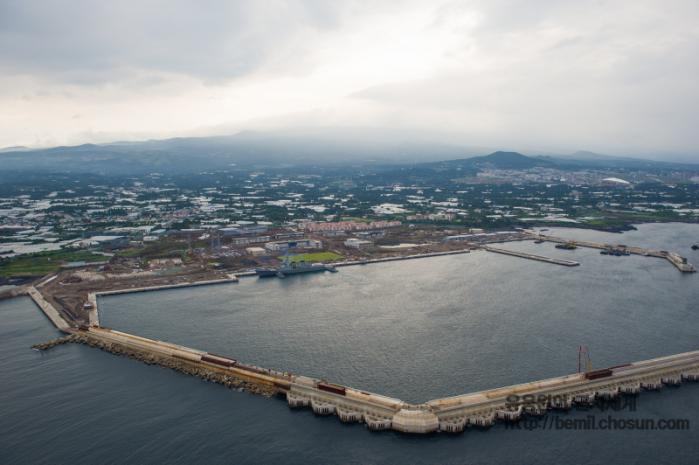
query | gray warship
[289, 267]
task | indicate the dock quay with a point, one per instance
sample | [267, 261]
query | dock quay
[368, 261]
[128, 290]
[540, 258]
[677, 260]
[378, 412]
[401, 257]
[245, 274]
[93, 316]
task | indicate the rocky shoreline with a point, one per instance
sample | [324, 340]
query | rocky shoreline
[13, 292]
[56, 342]
[210, 375]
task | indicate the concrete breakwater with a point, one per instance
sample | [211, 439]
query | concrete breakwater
[150, 358]
[49, 310]
[451, 414]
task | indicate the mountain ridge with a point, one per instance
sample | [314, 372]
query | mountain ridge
[259, 149]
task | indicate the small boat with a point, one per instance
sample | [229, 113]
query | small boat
[695, 247]
[567, 246]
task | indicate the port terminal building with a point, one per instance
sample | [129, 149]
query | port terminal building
[283, 246]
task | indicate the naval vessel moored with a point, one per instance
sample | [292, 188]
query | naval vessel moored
[289, 267]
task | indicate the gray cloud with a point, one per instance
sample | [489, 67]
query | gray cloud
[615, 76]
[85, 41]
[601, 75]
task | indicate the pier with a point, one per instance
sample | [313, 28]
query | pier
[540, 258]
[677, 260]
[378, 412]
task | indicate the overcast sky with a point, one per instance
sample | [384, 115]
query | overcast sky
[618, 77]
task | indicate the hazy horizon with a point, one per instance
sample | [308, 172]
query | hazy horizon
[538, 77]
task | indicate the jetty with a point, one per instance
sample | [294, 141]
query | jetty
[530, 256]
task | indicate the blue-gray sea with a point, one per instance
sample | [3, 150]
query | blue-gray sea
[416, 330]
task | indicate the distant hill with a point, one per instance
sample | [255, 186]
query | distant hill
[16, 148]
[409, 154]
[508, 160]
[498, 160]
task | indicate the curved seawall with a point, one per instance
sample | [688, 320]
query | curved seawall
[451, 414]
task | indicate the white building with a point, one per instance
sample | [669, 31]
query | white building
[355, 243]
[616, 182]
[283, 246]
[105, 241]
[255, 251]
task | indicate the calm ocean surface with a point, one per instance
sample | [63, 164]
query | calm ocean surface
[415, 329]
